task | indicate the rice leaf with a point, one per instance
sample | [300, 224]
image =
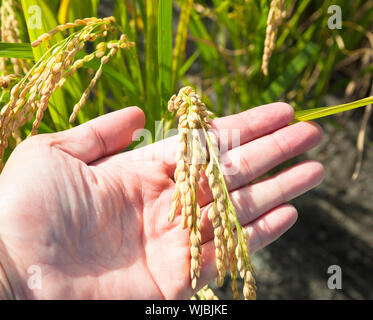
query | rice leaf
[16, 50]
[181, 39]
[71, 10]
[289, 76]
[165, 50]
[39, 20]
[121, 12]
[315, 113]
[188, 63]
[151, 61]
[203, 39]
[63, 11]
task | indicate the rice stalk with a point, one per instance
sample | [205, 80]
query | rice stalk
[190, 157]
[231, 241]
[275, 15]
[361, 140]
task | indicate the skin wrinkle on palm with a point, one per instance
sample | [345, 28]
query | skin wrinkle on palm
[159, 253]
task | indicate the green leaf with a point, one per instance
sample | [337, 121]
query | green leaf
[70, 10]
[16, 50]
[134, 66]
[40, 19]
[188, 63]
[63, 11]
[203, 39]
[289, 76]
[151, 62]
[180, 41]
[165, 49]
[306, 115]
[110, 71]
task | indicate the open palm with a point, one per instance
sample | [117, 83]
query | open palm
[95, 221]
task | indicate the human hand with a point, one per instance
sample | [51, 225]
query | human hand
[95, 221]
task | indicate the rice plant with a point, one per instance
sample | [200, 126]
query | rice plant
[232, 251]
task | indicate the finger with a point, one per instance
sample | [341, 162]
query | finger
[254, 200]
[253, 123]
[251, 160]
[259, 156]
[103, 136]
[249, 125]
[262, 232]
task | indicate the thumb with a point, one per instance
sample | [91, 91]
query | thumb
[102, 136]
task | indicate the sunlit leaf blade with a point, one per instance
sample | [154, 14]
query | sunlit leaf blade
[62, 11]
[181, 39]
[306, 115]
[16, 50]
[40, 19]
[70, 10]
[165, 49]
[188, 63]
[121, 13]
[152, 92]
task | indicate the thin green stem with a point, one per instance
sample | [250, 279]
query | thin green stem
[231, 207]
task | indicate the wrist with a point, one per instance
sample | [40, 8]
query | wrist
[6, 290]
[12, 283]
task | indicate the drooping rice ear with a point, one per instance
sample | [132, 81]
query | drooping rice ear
[275, 15]
[190, 159]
